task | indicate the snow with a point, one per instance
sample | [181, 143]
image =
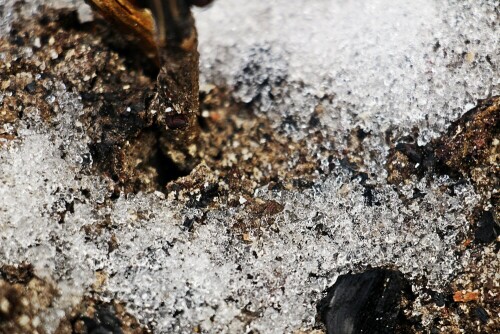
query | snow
[387, 65]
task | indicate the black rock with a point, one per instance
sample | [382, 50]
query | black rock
[188, 224]
[481, 314]
[487, 229]
[368, 302]
[31, 87]
[441, 299]
[104, 321]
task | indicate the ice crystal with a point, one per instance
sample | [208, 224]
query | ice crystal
[379, 65]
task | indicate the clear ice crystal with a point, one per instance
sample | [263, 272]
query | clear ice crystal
[383, 64]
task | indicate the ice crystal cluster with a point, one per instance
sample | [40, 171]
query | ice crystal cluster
[378, 65]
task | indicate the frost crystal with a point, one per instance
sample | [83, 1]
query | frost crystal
[380, 65]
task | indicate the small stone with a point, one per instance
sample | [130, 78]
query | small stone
[487, 229]
[36, 321]
[481, 314]
[69, 54]
[53, 54]
[4, 306]
[369, 302]
[23, 320]
[37, 43]
[104, 321]
[465, 296]
[31, 87]
[5, 84]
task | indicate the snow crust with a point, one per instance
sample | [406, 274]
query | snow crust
[388, 65]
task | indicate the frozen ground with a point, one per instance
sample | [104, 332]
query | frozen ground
[378, 65]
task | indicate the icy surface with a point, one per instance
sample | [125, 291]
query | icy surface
[386, 65]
